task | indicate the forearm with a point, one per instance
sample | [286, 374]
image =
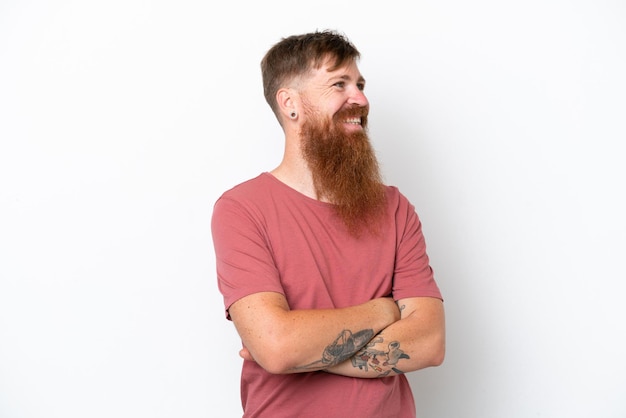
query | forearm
[415, 342]
[286, 341]
[324, 338]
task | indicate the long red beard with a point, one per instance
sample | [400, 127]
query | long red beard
[345, 170]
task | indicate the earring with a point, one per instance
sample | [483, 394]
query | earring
[293, 115]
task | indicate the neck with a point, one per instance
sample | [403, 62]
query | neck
[296, 174]
[293, 169]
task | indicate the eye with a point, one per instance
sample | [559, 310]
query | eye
[340, 84]
[361, 86]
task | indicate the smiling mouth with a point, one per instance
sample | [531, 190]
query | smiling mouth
[353, 121]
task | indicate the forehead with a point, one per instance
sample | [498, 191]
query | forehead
[348, 70]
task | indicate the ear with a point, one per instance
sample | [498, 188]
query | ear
[287, 100]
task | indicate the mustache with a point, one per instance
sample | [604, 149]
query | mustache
[352, 112]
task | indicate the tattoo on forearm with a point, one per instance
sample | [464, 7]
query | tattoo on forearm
[344, 347]
[383, 362]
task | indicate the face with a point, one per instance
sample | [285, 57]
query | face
[336, 96]
[337, 149]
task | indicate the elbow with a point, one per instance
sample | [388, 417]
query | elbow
[274, 360]
[437, 344]
[437, 358]
[275, 365]
[432, 352]
[437, 352]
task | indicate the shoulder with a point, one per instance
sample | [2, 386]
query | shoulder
[246, 188]
[239, 198]
[397, 200]
[251, 192]
[393, 193]
[254, 199]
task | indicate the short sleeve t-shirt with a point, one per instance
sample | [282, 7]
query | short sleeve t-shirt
[269, 237]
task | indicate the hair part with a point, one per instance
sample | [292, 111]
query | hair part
[296, 55]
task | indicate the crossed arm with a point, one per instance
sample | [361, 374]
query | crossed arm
[374, 339]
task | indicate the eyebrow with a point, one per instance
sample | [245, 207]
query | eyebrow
[346, 77]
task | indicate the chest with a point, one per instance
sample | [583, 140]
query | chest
[322, 266]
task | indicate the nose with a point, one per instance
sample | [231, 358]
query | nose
[357, 97]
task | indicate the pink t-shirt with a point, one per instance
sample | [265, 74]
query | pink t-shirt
[269, 237]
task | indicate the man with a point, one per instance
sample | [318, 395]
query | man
[322, 267]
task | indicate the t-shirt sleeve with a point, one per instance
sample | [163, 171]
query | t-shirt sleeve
[243, 260]
[413, 275]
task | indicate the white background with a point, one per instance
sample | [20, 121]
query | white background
[121, 122]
